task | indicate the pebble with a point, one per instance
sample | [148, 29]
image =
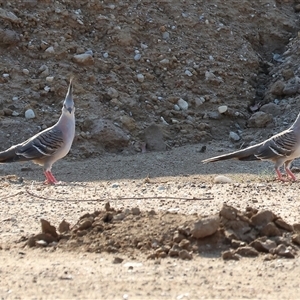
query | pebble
[234, 136]
[15, 114]
[188, 73]
[29, 114]
[176, 107]
[222, 109]
[112, 92]
[50, 49]
[85, 59]
[166, 35]
[25, 71]
[183, 104]
[165, 61]
[49, 78]
[5, 75]
[137, 57]
[140, 77]
[105, 55]
[222, 179]
[199, 101]
[15, 98]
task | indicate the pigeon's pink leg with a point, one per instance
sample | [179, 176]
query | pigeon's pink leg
[279, 175]
[50, 179]
[289, 172]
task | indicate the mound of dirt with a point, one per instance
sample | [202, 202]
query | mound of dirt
[231, 234]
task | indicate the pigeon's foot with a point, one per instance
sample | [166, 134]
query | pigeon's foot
[50, 179]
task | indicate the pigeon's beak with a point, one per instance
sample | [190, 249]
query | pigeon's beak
[69, 109]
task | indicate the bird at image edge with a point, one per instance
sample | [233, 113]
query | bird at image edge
[281, 149]
[49, 145]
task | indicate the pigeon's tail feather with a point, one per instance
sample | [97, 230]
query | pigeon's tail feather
[246, 154]
[10, 155]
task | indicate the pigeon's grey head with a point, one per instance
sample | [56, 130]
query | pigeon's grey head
[68, 106]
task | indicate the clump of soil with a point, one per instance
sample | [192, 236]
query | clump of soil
[231, 233]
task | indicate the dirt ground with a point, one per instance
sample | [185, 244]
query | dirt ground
[171, 186]
[162, 86]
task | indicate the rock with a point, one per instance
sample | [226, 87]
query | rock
[292, 87]
[174, 251]
[287, 73]
[259, 119]
[49, 78]
[166, 35]
[283, 251]
[205, 227]
[140, 77]
[84, 59]
[47, 228]
[296, 239]
[222, 109]
[128, 122]
[44, 71]
[154, 138]
[271, 108]
[64, 226]
[108, 136]
[296, 227]
[9, 16]
[283, 225]
[212, 78]
[178, 237]
[112, 93]
[188, 73]
[85, 223]
[263, 246]
[262, 218]
[222, 179]
[199, 101]
[135, 211]
[184, 244]
[8, 37]
[234, 136]
[165, 61]
[228, 212]
[277, 88]
[270, 230]
[137, 57]
[184, 254]
[236, 244]
[182, 104]
[230, 255]
[50, 50]
[25, 71]
[29, 114]
[246, 251]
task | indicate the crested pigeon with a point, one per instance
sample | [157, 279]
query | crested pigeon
[281, 148]
[49, 145]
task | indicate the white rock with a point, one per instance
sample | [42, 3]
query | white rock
[84, 59]
[25, 71]
[15, 98]
[188, 73]
[29, 114]
[140, 77]
[49, 78]
[50, 49]
[137, 57]
[105, 55]
[165, 61]
[176, 107]
[222, 179]
[183, 104]
[112, 92]
[144, 46]
[222, 109]
[199, 101]
[47, 88]
[166, 35]
[234, 136]
[5, 75]
[15, 114]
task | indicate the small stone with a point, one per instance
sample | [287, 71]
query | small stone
[178, 237]
[25, 71]
[140, 77]
[49, 78]
[183, 104]
[234, 136]
[262, 218]
[137, 57]
[41, 243]
[270, 230]
[296, 239]
[283, 225]
[184, 254]
[5, 75]
[222, 179]
[283, 251]
[29, 114]
[263, 246]
[119, 217]
[15, 113]
[259, 120]
[105, 55]
[84, 59]
[230, 255]
[228, 212]
[222, 109]
[247, 251]
[50, 49]
[188, 73]
[15, 98]
[166, 35]
[199, 101]
[135, 211]
[205, 227]
[85, 224]
[112, 92]
[118, 260]
[165, 61]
